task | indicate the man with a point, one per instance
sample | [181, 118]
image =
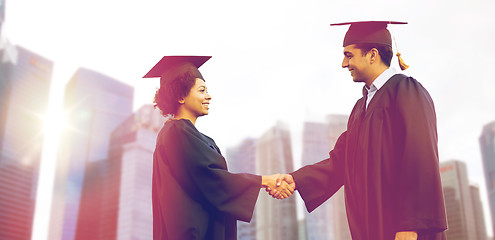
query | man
[387, 159]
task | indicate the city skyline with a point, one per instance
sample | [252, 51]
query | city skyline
[142, 117]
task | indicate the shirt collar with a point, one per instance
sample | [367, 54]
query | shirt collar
[382, 79]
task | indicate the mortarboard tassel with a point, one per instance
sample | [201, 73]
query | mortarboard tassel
[402, 64]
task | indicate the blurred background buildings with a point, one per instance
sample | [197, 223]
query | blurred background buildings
[328, 221]
[102, 185]
[487, 144]
[462, 203]
[95, 105]
[24, 89]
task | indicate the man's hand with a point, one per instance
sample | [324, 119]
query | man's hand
[406, 236]
[277, 190]
[283, 181]
[286, 178]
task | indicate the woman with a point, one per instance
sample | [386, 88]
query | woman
[194, 195]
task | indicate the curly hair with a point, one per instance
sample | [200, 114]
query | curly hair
[385, 51]
[171, 91]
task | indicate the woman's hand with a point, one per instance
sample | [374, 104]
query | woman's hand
[278, 191]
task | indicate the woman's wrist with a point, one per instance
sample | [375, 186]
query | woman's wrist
[264, 181]
[269, 180]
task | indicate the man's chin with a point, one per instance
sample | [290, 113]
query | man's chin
[357, 80]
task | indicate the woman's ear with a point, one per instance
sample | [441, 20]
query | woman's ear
[182, 101]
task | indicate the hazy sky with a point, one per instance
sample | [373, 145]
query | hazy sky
[274, 60]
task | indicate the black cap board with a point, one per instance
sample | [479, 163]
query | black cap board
[368, 32]
[169, 67]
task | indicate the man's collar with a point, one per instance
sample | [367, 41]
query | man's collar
[382, 79]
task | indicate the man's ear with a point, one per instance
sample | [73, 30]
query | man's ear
[374, 55]
[182, 101]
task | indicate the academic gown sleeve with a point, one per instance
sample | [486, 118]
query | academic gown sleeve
[318, 182]
[420, 197]
[201, 170]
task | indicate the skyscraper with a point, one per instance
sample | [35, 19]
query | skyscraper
[487, 145]
[120, 187]
[135, 217]
[458, 202]
[2, 15]
[89, 221]
[24, 89]
[315, 148]
[95, 105]
[479, 220]
[275, 219]
[242, 159]
[328, 221]
[337, 124]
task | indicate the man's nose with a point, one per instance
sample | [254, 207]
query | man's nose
[345, 63]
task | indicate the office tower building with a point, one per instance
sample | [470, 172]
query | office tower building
[241, 159]
[337, 124]
[275, 219]
[479, 220]
[95, 105]
[328, 221]
[91, 210]
[487, 145]
[134, 143]
[458, 202]
[302, 235]
[120, 187]
[24, 90]
[319, 224]
[2, 16]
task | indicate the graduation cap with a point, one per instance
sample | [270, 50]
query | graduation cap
[370, 32]
[170, 67]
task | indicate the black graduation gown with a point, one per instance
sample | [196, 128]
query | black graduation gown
[388, 162]
[194, 196]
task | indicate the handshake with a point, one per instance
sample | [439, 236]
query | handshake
[279, 186]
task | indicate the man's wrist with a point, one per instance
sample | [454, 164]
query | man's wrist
[406, 235]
